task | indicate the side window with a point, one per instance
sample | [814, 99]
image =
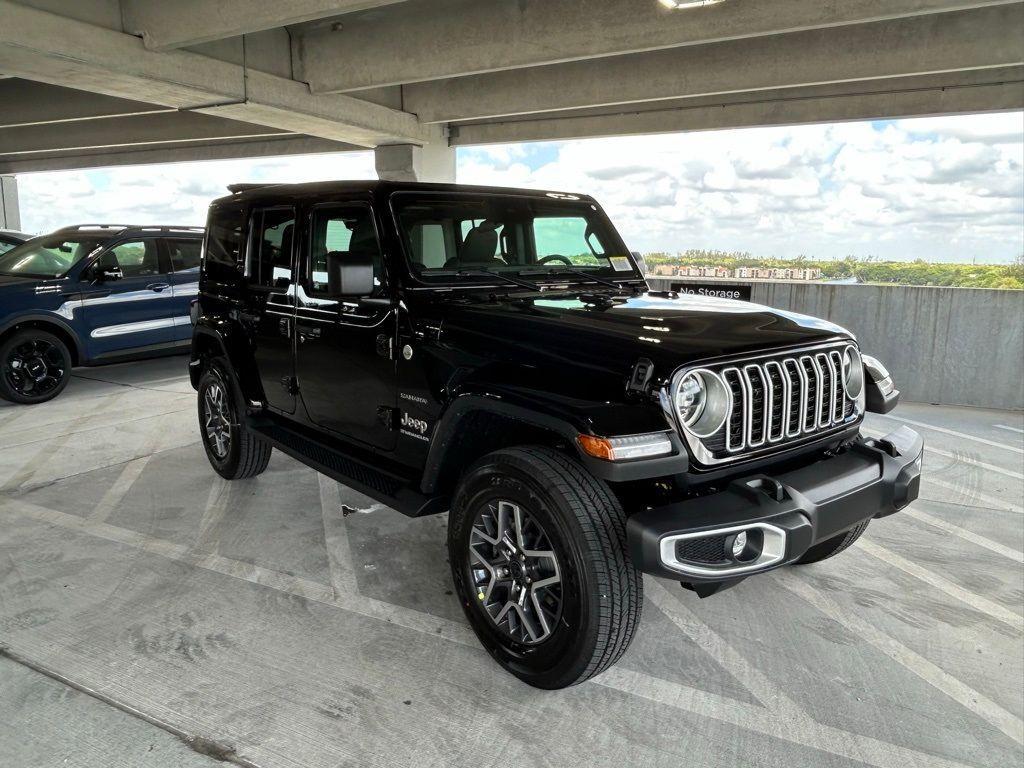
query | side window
[223, 250]
[137, 258]
[273, 230]
[341, 231]
[184, 255]
[428, 244]
[568, 236]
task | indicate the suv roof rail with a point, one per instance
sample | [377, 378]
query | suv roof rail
[234, 189]
[141, 228]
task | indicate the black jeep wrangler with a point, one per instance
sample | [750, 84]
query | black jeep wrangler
[496, 354]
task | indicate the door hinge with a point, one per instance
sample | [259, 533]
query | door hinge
[388, 417]
[290, 384]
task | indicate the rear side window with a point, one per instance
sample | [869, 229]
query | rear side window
[184, 255]
[274, 233]
[223, 255]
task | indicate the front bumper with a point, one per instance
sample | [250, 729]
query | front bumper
[782, 516]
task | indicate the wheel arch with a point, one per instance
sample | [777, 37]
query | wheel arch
[474, 425]
[61, 330]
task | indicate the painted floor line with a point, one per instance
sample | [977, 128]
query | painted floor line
[977, 602]
[960, 458]
[956, 689]
[937, 522]
[1008, 428]
[953, 432]
[987, 500]
[799, 730]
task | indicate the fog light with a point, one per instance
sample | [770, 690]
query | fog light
[739, 544]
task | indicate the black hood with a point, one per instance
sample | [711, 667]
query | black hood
[611, 337]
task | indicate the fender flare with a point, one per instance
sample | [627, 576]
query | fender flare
[228, 349]
[50, 319]
[565, 425]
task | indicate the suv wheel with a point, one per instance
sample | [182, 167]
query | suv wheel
[538, 553]
[832, 547]
[35, 366]
[233, 451]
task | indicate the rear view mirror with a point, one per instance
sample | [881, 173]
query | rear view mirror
[349, 275]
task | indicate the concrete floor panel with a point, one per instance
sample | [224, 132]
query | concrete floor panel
[305, 625]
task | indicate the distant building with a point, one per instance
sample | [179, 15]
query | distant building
[740, 273]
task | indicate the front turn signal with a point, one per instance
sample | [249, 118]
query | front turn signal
[627, 447]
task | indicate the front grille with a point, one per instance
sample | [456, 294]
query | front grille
[779, 400]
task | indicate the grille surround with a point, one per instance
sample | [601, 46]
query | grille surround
[777, 401]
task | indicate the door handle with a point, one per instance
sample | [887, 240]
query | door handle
[157, 287]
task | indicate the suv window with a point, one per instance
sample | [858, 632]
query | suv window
[342, 230]
[567, 236]
[271, 263]
[184, 255]
[48, 256]
[223, 253]
[136, 258]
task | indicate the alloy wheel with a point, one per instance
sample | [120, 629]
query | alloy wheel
[34, 368]
[515, 572]
[217, 420]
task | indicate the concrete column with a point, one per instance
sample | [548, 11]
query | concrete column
[409, 162]
[10, 217]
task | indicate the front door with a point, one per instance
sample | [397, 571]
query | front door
[271, 297]
[132, 313]
[344, 359]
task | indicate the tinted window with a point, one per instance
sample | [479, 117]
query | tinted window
[224, 243]
[184, 255]
[272, 246]
[342, 231]
[6, 244]
[137, 258]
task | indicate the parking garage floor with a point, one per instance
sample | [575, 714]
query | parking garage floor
[152, 614]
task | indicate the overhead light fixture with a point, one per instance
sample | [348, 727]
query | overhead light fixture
[677, 5]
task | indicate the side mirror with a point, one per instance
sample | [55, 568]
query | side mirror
[641, 262]
[107, 274]
[882, 395]
[349, 275]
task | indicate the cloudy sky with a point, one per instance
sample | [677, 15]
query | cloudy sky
[940, 189]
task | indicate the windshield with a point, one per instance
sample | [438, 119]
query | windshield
[445, 234]
[48, 256]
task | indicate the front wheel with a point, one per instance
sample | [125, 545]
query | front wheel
[35, 366]
[538, 553]
[234, 452]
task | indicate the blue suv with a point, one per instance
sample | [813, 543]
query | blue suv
[93, 294]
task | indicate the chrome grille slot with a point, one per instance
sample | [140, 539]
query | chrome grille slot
[778, 400]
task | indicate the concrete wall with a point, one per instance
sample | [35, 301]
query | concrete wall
[954, 346]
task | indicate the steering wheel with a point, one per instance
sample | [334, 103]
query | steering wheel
[555, 257]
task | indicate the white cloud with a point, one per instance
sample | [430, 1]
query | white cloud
[949, 188]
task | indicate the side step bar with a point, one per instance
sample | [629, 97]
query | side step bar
[378, 484]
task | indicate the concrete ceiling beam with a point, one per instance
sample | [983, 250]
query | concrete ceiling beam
[977, 39]
[166, 25]
[46, 47]
[453, 38]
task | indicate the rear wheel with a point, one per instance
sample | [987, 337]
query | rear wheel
[234, 452]
[35, 366]
[538, 553]
[832, 547]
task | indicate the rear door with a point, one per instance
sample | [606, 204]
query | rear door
[271, 301]
[344, 356]
[183, 254]
[133, 313]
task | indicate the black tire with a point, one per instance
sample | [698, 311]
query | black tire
[245, 454]
[21, 354]
[832, 547]
[600, 592]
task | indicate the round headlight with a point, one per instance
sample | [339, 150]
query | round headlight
[702, 402]
[853, 373]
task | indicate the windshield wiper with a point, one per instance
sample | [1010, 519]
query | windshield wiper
[574, 273]
[488, 273]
